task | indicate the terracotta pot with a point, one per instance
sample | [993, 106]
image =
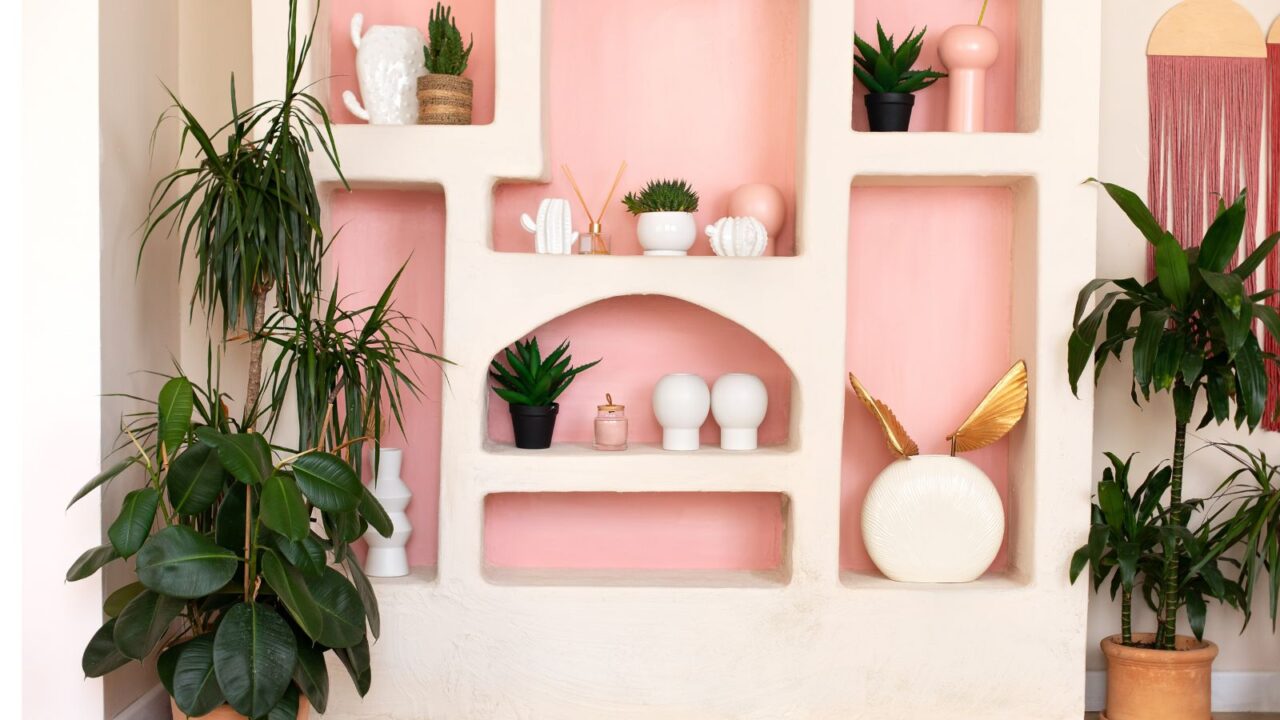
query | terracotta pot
[1147, 684]
[444, 100]
[226, 713]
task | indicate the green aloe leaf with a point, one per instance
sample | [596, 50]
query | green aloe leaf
[143, 623]
[254, 652]
[328, 482]
[180, 562]
[133, 525]
[195, 682]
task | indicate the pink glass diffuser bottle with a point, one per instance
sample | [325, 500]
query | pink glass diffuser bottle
[611, 426]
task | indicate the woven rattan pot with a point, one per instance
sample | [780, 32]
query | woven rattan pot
[444, 100]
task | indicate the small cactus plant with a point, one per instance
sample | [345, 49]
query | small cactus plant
[443, 53]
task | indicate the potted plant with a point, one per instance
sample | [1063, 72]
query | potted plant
[886, 71]
[531, 384]
[1191, 331]
[444, 96]
[241, 540]
[665, 210]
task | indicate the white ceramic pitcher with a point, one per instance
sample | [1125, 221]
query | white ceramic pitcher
[389, 61]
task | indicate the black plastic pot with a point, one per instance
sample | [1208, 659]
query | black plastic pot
[534, 426]
[889, 112]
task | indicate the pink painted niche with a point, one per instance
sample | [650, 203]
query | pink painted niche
[929, 318]
[474, 18]
[930, 114]
[634, 531]
[379, 231]
[641, 338]
[704, 90]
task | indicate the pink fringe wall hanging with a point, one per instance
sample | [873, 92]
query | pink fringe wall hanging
[1269, 420]
[1206, 141]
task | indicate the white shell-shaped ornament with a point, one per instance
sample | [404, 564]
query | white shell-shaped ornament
[738, 237]
[553, 232]
[932, 519]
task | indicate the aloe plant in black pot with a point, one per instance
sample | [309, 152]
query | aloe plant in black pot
[531, 384]
[887, 73]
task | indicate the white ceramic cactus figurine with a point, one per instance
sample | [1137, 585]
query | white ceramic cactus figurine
[553, 232]
[738, 237]
[388, 63]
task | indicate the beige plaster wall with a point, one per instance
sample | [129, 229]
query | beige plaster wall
[1119, 425]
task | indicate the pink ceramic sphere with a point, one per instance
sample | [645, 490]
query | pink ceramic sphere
[968, 47]
[763, 202]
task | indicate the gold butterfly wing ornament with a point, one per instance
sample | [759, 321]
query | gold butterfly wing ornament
[900, 443]
[998, 412]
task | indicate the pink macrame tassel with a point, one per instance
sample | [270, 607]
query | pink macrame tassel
[1269, 421]
[1206, 142]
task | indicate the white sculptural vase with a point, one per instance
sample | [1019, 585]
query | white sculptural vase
[681, 403]
[387, 557]
[389, 61]
[666, 233]
[739, 402]
[738, 237]
[934, 519]
[553, 232]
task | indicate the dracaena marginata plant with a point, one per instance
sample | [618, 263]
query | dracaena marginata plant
[1191, 331]
[241, 541]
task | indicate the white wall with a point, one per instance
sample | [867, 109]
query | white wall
[1119, 426]
[60, 344]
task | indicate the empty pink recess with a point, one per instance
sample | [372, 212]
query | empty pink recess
[380, 231]
[684, 531]
[898, 18]
[702, 90]
[929, 319]
[639, 339]
[473, 17]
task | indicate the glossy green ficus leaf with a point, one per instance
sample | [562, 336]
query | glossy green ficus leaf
[177, 400]
[133, 524]
[195, 480]
[328, 481]
[283, 509]
[254, 652]
[180, 562]
[143, 622]
[195, 682]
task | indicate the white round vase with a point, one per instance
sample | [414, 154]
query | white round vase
[739, 402]
[387, 557]
[681, 403]
[388, 63]
[666, 233]
[932, 519]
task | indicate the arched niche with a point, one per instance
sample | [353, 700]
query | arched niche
[639, 339]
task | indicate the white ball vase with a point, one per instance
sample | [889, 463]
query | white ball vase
[739, 402]
[932, 519]
[666, 233]
[681, 403]
[387, 557]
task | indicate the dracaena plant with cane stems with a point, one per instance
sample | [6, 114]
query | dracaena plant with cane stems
[1191, 331]
[241, 540]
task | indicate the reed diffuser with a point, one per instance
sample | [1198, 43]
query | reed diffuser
[594, 241]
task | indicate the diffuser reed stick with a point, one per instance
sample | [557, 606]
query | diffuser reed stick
[595, 229]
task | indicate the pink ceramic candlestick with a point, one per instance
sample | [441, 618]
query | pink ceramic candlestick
[967, 51]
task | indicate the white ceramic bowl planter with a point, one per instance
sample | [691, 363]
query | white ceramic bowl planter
[666, 233]
[739, 402]
[937, 518]
[681, 402]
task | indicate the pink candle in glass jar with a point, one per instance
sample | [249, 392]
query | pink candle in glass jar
[611, 426]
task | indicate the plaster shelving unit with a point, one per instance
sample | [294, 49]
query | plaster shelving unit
[468, 643]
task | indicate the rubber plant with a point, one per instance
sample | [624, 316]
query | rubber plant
[242, 540]
[1191, 332]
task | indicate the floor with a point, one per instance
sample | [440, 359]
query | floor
[1220, 716]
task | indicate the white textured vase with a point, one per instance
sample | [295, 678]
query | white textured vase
[681, 403]
[739, 402]
[666, 233]
[389, 61]
[387, 557]
[932, 518]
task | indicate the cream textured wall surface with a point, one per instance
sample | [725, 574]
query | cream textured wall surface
[1119, 426]
[138, 54]
[60, 346]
